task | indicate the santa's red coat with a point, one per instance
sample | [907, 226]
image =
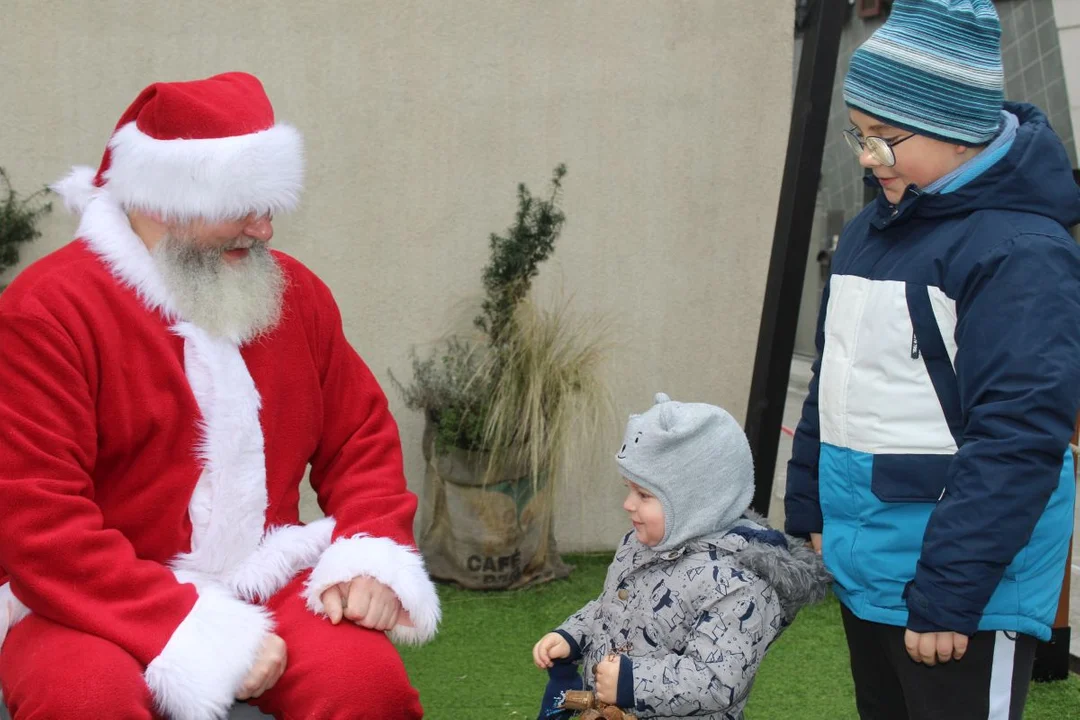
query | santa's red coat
[150, 473]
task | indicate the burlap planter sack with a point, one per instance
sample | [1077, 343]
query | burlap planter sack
[496, 537]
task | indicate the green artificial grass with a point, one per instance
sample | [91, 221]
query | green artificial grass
[480, 665]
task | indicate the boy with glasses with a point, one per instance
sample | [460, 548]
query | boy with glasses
[931, 466]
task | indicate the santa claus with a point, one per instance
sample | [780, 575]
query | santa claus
[167, 380]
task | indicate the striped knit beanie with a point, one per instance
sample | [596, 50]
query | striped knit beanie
[933, 68]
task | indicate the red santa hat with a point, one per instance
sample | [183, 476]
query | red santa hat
[200, 149]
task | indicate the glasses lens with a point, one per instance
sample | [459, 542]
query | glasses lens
[880, 151]
[853, 143]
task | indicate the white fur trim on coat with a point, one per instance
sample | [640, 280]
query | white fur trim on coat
[104, 226]
[11, 611]
[228, 506]
[197, 674]
[216, 178]
[282, 554]
[398, 567]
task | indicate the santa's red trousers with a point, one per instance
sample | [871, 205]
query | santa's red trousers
[335, 672]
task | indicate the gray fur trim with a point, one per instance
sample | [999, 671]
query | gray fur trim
[797, 573]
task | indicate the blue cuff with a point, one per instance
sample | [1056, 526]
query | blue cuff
[575, 649]
[624, 692]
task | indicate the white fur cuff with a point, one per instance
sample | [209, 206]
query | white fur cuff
[202, 666]
[398, 567]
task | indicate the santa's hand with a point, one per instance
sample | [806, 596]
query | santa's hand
[269, 666]
[366, 602]
[5, 621]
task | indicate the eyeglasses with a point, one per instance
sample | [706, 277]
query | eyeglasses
[880, 148]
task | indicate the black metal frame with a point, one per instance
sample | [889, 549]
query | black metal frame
[791, 239]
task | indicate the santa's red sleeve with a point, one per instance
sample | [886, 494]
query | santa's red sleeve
[358, 476]
[64, 565]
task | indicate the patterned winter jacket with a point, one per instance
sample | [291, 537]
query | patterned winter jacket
[692, 624]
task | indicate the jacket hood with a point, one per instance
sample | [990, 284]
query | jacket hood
[1034, 176]
[790, 566]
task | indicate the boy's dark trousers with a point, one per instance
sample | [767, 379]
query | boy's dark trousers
[563, 675]
[989, 683]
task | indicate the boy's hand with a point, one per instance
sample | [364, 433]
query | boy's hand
[935, 647]
[552, 646]
[815, 542]
[607, 679]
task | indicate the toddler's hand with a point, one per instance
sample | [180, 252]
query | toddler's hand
[815, 542]
[552, 646]
[607, 679]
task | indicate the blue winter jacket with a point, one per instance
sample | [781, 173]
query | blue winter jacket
[933, 449]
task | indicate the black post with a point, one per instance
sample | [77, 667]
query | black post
[791, 239]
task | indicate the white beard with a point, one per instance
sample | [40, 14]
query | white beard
[238, 300]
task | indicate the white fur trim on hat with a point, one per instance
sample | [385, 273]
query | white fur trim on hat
[214, 179]
[76, 188]
[217, 178]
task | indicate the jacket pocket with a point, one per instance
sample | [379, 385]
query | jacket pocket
[909, 478]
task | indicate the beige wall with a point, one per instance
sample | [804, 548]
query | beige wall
[421, 117]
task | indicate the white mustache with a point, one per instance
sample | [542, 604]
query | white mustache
[240, 244]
